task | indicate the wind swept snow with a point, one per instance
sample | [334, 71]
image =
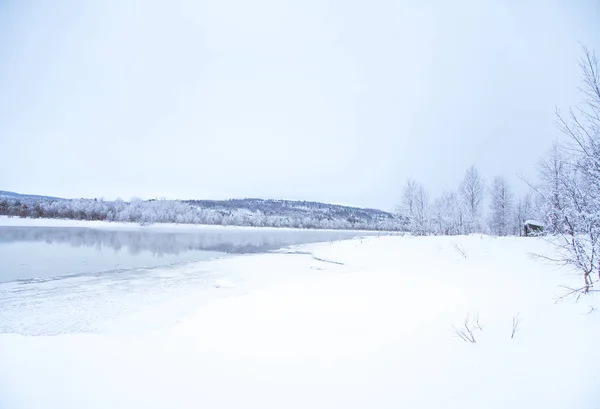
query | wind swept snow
[365, 323]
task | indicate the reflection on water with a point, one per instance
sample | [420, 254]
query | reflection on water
[43, 252]
[161, 242]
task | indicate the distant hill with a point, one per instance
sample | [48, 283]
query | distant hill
[294, 208]
[5, 193]
[237, 212]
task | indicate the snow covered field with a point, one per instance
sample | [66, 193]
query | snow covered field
[365, 323]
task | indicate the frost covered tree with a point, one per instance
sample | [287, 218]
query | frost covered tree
[414, 207]
[247, 212]
[447, 215]
[501, 207]
[553, 175]
[573, 202]
[471, 193]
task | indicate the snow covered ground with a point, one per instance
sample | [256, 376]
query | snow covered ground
[365, 323]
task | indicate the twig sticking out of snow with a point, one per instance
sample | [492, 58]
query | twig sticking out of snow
[322, 260]
[467, 331]
[460, 249]
[515, 325]
[477, 324]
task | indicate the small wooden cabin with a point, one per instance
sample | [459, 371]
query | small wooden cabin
[533, 228]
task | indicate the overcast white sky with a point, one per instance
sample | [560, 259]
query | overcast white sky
[338, 101]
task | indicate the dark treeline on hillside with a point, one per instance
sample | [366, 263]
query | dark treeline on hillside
[238, 212]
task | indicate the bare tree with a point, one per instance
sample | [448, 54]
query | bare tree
[471, 192]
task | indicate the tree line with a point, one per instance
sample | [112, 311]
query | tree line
[462, 211]
[565, 198]
[237, 213]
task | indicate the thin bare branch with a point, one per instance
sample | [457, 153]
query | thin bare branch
[466, 332]
[460, 249]
[515, 325]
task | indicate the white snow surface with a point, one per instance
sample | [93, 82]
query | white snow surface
[365, 323]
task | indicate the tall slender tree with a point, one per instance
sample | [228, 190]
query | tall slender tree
[553, 172]
[500, 207]
[471, 194]
[415, 206]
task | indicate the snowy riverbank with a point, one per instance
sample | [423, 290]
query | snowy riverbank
[6, 221]
[365, 323]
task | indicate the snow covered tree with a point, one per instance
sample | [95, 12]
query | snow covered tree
[244, 212]
[576, 218]
[471, 193]
[553, 175]
[447, 216]
[500, 207]
[415, 204]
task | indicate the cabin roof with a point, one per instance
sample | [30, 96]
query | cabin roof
[534, 223]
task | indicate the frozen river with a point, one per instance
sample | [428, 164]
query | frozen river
[85, 277]
[42, 253]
